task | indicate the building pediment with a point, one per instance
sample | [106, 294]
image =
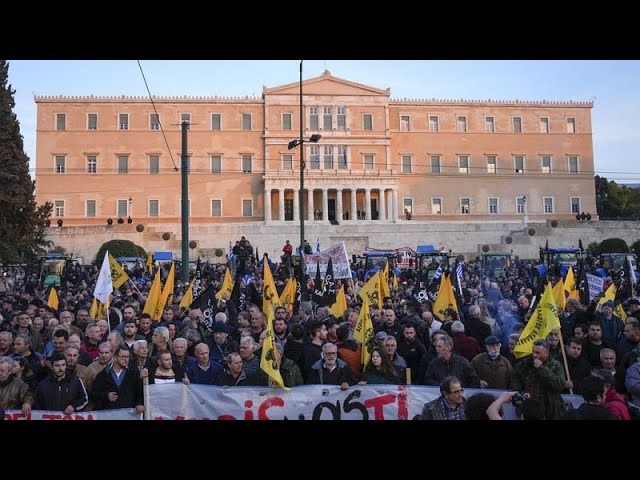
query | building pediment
[326, 84]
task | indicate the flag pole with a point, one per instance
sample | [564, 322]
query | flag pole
[145, 392]
[564, 359]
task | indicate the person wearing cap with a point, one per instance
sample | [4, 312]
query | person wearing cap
[222, 345]
[493, 369]
[633, 306]
[611, 324]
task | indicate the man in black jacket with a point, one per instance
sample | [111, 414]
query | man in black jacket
[117, 386]
[61, 391]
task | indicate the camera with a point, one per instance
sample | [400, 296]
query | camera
[517, 399]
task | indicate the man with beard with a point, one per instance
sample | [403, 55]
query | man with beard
[61, 391]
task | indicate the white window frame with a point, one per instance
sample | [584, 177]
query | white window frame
[569, 157]
[468, 206]
[284, 167]
[282, 117]
[571, 204]
[242, 118]
[542, 167]
[513, 124]
[405, 125]
[410, 206]
[188, 114]
[327, 114]
[524, 164]
[125, 202]
[544, 207]
[327, 156]
[402, 164]
[149, 157]
[219, 115]
[439, 157]
[55, 119]
[86, 208]
[88, 163]
[123, 126]
[494, 168]
[314, 158]
[520, 203]
[572, 126]
[364, 123]
[497, 212]
[242, 200]
[464, 127]
[242, 159]
[313, 112]
[211, 203]
[437, 123]
[211, 162]
[58, 208]
[151, 124]
[441, 205]
[489, 124]
[118, 164]
[88, 126]
[63, 170]
[149, 213]
[467, 169]
[341, 152]
[541, 122]
[364, 161]
[342, 108]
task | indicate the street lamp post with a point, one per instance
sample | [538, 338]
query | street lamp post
[293, 144]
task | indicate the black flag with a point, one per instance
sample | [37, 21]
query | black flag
[317, 286]
[328, 287]
[583, 284]
[206, 302]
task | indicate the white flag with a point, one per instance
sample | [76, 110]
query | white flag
[632, 273]
[104, 287]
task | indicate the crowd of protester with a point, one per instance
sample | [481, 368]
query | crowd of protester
[61, 359]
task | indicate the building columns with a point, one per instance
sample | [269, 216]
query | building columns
[296, 205]
[310, 216]
[267, 205]
[367, 203]
[325, 204]
[354, 205]
[394, 195]
[281, 204]
[339, 204]
[381, 199]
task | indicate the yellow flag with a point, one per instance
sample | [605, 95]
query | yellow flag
[338, 308]
[570, 285]
[227, 285]
[543, 320]
[53, 301]
[167, 293]
[94, 309]
[363, 332]
[288, 297]
[395, 283]
[118, 275]
[445, 298]
[371, 291]
[187, 298]
[149, 261]
[558, 295]
[270, 360]
[610, 294]
[154, 296]
[384, 282]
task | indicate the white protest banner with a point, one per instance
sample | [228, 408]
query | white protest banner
[116, 414]
[309, 402]
[596, 285]
[339, 257]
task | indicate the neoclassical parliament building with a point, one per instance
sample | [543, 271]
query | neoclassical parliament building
[378, 160]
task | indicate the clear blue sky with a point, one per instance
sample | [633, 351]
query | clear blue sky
[614, 85]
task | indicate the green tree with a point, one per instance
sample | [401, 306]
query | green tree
[22, 222]
[614, 245]
[119, 248]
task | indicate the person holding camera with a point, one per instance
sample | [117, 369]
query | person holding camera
[542, 378]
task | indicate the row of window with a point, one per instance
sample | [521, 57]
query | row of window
[330, 157]
[493, 205]
[123, 207]
[327, 120]
[433, 122]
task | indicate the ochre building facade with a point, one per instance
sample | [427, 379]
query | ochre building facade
[379, 160]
